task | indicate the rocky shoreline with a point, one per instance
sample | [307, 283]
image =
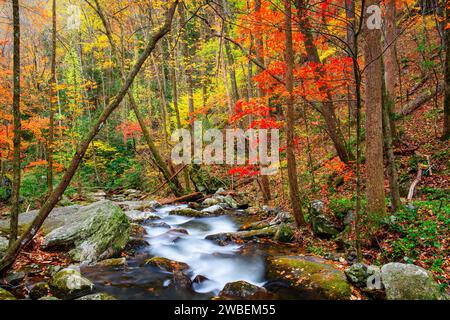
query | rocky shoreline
[105, 232]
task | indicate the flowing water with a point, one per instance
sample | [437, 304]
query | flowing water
[167, 237]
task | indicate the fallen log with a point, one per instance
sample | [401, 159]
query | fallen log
[187, 198]
[420, 101]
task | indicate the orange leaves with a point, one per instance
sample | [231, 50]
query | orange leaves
[129, 129]
[339, 167]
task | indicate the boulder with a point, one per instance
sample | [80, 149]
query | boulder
[180, 281]
[6, 295]
[188, 212]
[410, 282]
[210, 202]
[98, 296]
[357, 274]
[242, 290]
[58, 217]
[214, 210]
[39, 290]
[139, 216]
[322, 226]
[227, 237]
[69, 284]
[103, 234]
[284, 233]
[166, 264]
[117, 262]
[309, 277]
[231, 202]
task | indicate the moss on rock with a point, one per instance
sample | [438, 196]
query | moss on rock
[310, 274]
[6, 295]
[166, 264]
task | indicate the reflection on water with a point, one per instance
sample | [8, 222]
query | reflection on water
[184, 242]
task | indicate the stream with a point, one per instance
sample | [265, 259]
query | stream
[167, 238]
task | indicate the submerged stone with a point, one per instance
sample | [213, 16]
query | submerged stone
[166, 264]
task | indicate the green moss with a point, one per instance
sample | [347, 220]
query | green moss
[6, 295]
[166, 264]
[304, 272]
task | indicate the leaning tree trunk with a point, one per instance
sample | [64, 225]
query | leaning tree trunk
[53, 105]
[15, 202]
[50, 203]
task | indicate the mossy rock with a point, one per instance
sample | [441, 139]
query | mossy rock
[242, 290]
[104, 234]
[69, 284]
[310, 277]
[6, 295]
[410, 282]
[188, 212]
[166, 264]
[39, 290]
[115, 262]
[98, 296]
[49, 298]
[284, 233]
[227, 237]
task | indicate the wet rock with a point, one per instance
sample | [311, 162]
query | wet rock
[195, 205]
[98, 296]
[139, 216]
[178, 231]
[199, 279]
[102, 235]
[188, 212]
[166, 264]
[309, 277]
[6, 295]
[149, 206]
[410, 282]
[282, 217]
[136, 230]
[158, 225]
[242, 290]
[39, 290]
[284, 233]
[118, 262]
[226, 238]
[135, 244]
[180, 281]
[69, 283]
[214, 210]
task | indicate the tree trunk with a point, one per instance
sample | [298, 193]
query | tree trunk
[50, 203]
[374, 122]
[291, 162]
[390, 63]
[53, 105]
[15, 201]
[388, 144]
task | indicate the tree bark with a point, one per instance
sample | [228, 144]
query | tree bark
[374, 122]
[291, 162]
[15, 201]
[50, 203]
[388, 144]
[53, 104]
